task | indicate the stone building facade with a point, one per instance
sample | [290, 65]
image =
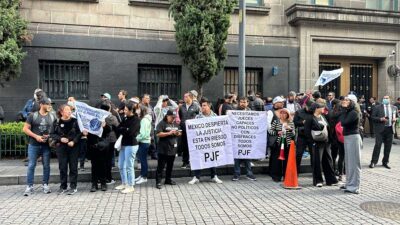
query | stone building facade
[83, 48]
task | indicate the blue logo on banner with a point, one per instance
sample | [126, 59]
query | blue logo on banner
[95, 124]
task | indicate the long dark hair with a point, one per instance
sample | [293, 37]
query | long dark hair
[131, 106]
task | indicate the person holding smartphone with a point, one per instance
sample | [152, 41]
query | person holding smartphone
[37, 127]
[167, 132]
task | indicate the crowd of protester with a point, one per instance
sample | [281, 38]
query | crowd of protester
[330, 130]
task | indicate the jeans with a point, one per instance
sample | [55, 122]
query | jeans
[126, 163]
[143, 149]
[33, 152]
[68, 157]
[247, 165]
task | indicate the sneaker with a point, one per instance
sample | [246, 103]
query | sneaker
[82, 169]
[139, 166]
[94, 188]
[319, 185]
[72, 191]
[251, 177]
[61, 191]
[141, 180]
[138, 178]
[251, 164]
[111, 182]
[235, 178]
[158, 186]
[46, 189]
[120, 187]
[194, 181]
[28, 191]
[128, 189]
[216, 180]
[185, 166]
[103, 187]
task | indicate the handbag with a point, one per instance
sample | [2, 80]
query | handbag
[320, 135]
[272, 140]
[118, 143]
[339, 132]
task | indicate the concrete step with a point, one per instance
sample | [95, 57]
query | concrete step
[18, 177]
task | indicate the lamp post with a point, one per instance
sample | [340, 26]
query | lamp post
[242, 47]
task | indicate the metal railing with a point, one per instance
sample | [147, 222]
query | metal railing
[13, 145]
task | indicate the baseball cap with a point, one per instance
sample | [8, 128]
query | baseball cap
[170, 113]
[45, 101]
[352, 97]
[106, 95]
[278, 99]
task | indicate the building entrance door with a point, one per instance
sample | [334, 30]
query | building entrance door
[359, 76]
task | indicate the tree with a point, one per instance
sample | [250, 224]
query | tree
[201, 28]
[13, 34]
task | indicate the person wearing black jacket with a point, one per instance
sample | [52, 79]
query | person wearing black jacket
[167, 132]
[129, 128]
[304, 141]
[189, 110]
[98, 154]
[350, 120]
[337, 148]
[65, 134]
[322, 158]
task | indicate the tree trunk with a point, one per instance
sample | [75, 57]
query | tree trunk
[199, 91]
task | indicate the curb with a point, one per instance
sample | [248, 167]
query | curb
[177, 173]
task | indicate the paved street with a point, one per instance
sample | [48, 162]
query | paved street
[242, 202]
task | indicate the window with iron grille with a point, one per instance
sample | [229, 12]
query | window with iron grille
[253, 80]
[62, 79]
[159, 80]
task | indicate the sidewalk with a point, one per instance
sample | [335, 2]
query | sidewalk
[13, 172]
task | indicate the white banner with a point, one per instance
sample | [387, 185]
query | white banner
[249, 134]
[328, 76]
[90, 118]
[210, 142]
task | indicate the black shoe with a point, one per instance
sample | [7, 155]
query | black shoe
[185, 166]
[158, 186]
[103, 187]
[170, 182]
[386, 166]
[72, 191]
[94, 188]
[372, 165]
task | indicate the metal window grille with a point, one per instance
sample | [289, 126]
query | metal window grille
[159, 80]
[333, 86]
[361, 79]
[253, 80]
[61, 79]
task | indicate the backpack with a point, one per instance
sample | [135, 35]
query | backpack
[339, 132]
[52, 117]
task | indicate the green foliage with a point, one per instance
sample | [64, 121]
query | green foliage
[13, 141]
[12, 128]
[13, 34]
[201, 31]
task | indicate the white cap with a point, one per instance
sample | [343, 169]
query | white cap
[278, 99]
[352, 98]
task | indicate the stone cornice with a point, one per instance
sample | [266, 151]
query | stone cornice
[90, 1]
[318, 13]
[257, 10]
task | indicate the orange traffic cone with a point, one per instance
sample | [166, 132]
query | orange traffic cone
[291, 181]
